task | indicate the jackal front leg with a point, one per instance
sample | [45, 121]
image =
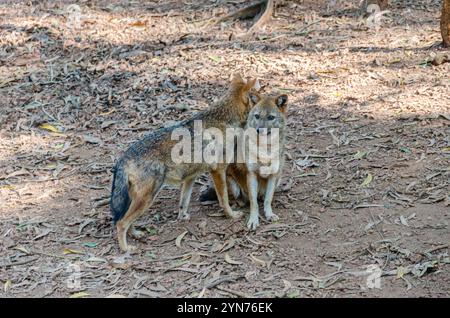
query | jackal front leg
[220, 183]
[252, 186]
[185, 198]
[268, 198]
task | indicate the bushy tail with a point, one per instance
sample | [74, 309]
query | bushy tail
[209, 194]
[120, 199]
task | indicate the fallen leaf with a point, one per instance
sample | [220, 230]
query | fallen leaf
[91, 139]
[403, 220]
[59, 167]
[96, 259]
[150, 255]
[350, 119]
[71, 251]
[139, 24]
[394, 61]
[120, 262]
[108, 123]
[405, 150]
[227, 245]
[371, 224]
[229, 260]
[94, 244]
[359, 155]
[257, 260]
[293, 294]
[80, 295]
[107, 113]
[367, 180]
[22, 249]
[215, 58]
[249, 274]
[7, 187]
[7, 285]
[50, 127]
[17, 173]
[400, 272]
[180, 238]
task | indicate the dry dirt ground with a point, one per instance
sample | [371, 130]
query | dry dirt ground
[365, 189]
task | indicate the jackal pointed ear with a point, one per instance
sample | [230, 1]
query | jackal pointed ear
[237, 79]
[250, 84]
[253, 98]
[281, 102]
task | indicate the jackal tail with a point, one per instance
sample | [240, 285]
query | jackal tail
[120, 199]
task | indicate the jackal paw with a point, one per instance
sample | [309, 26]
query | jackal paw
[136, 234]
[241, 202]
[129, 249]
[184, 216]
[235, 215]
[253, 222]
[272, 217]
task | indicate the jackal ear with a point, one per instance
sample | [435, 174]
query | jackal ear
[253, 98]
[249, 84]
[237, 79]
[281, 102]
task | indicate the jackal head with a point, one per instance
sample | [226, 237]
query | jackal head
[268, 112]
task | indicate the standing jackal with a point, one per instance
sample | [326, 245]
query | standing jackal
[258, 177]
[148, 165]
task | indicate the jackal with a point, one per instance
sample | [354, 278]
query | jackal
[247, 181]
[147, 165]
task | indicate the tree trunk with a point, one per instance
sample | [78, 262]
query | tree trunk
[266, 14]
[262, 11]
[382, 4]
[445, 23]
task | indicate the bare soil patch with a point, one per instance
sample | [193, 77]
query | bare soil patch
[367, 179]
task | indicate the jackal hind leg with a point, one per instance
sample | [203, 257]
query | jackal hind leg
[220, 184]
[142, 198]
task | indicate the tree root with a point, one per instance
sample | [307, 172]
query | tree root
[262, 11]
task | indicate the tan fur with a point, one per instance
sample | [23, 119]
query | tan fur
[148, 164]
[244, 174]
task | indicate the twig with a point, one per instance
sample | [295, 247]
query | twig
[19, 263]
[100, 203]
[223, 279]
[367, 206]
[440, 247]
[46, 254]
[234, 292]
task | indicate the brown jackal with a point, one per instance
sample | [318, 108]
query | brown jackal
[148, 165]
[249, 180]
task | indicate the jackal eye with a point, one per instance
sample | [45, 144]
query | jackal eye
[270, 117]
[257, 116]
